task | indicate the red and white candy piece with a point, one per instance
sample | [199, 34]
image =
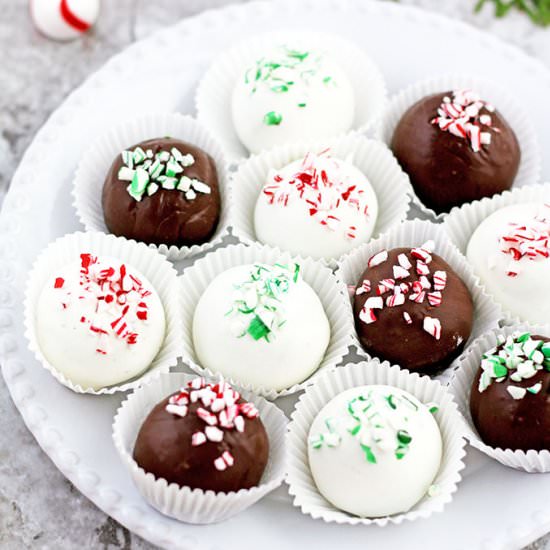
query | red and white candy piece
[432, 326]
[64, 19]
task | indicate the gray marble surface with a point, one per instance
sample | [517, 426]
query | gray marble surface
[39, 508]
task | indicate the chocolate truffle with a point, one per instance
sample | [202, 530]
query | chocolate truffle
[99, 321]
[412, 309]
[510, 252]
[510, 399]
[290, 94]
[162, 191]
[261, 325]
[374, 451]
[318, 206]
[204, 436]
[456, 148]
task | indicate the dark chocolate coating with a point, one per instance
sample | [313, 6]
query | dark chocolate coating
[166, 217]
[443, 168]
[508, 423]
[163, 448]
[410, 346]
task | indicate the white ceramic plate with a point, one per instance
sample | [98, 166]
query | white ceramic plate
[494, 508]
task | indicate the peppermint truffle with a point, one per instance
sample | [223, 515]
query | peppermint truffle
[291, 94]
[204, 436]
[261, 325]
[456, 148]
[99, 322]
[318, 206]
[510, 402]
[510, 253]
[374, 451]
[412, 309]
[162, 191]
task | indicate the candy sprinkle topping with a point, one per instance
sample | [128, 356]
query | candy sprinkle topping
[517, 357]
[321, 184]
[220, 411]
[527, 241]
[461, 116]
[378, 420]
[412, 281]
[119, 300]
[258, 309]
[147, 173]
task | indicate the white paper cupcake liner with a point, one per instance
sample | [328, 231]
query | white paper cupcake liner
[414, 233]
[213, 99]
[301, 484]
[462, 222]
[183, 503]
[460, 387]
[152, 265]
[530, 164]
[96, 162]
[332, 294]
[371, 157]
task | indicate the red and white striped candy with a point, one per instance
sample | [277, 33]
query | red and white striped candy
[364, 288]
[400, 272]
[434, 298]
[378, 258]
[440, 280]
[432, 326]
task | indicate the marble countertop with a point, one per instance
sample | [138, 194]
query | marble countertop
[39, 508]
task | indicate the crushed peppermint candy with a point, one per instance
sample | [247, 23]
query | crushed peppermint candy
[462, 116]
[398, 291]
[120, 300]
[219, 409]
[148, 172]
[322, 184]
[258, 309]
[377, 419]
[527, 241]
[516, 358]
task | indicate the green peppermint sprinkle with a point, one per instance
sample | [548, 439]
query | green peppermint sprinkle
[147, 173]
[377, 420]
[327, 79]
[302, 105]
[272, 118]
[517, 357]
[258, 308]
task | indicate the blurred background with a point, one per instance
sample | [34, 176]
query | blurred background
[39, 508]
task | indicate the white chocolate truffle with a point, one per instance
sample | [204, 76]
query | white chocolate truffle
[510, 252]
[318, 206]
[99, 322]
[291, 94]
[374, 451]
[261, 325]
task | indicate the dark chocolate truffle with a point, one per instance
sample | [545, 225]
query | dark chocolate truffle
[510, 398]
[412, 309]
[162, 191]
[204, 437]
[455, 148]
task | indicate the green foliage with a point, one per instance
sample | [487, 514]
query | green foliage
[537, 10]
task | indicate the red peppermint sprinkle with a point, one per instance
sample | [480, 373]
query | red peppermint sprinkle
[432, 326]
[461, 116]
[434, 298]
[378, 258]
[407, 318]
[440, 280]
[364, 288]
[59, 282]
[320, 183]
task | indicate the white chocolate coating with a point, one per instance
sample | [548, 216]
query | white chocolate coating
[526, 294]
[340, 220]
[48, 17]
[66, 328]
[290, 354]
[312, 95]
[385, 484]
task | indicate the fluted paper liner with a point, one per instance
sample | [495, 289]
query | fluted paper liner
[462, 222]
[96, 162]
[213, 99]
[371, 157]
[415, 233]
[332, 294]
[183, 503]
[530, 163]
[301, 484]
[158, 271]
[461, 385]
